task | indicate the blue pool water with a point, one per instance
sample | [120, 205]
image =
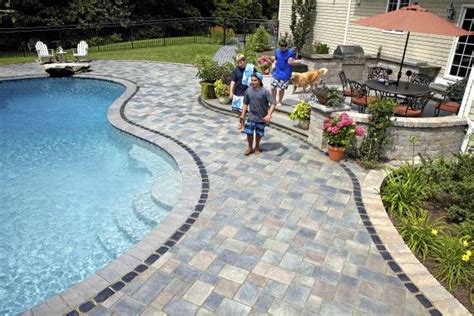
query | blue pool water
[75, 193]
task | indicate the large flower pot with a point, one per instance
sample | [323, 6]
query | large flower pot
[224, 100]
[322, 99]
[336, 153]
[207, 90]
[304, 124]
[300, 68]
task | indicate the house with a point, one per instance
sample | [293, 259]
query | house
[333, 26]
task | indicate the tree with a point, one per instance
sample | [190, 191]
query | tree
[84, 12]
[301, 22]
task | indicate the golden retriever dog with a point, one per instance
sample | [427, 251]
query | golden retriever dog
[307, 79]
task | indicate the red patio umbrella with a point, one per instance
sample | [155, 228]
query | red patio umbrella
[413, 18]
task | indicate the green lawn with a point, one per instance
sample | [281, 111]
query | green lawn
[178, 53]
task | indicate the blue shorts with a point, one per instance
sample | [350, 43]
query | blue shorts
[258, 127]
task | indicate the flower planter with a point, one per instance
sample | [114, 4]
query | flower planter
[304, 124]
[300, 68]
[224, 100]
[336, 153]
[322, 99]
[207, 90]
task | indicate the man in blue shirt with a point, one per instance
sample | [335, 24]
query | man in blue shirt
[281, 76]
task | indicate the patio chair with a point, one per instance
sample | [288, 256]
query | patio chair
[360, 95]
[81, 52]
[412, 106]
[44, 54]
[446, 105]
[346, 88]
[422, 79]
[378, 73]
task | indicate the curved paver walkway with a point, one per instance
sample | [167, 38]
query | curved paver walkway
[280, 233]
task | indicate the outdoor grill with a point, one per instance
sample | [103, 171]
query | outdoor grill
[352, 60]
[349, 51]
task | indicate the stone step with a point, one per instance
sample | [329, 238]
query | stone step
[130, 225]
[113, 241]
[166, 190]
[156, 164]
[148, 211]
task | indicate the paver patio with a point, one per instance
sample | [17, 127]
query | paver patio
[280, 233]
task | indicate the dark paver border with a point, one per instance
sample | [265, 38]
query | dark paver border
[107, 292]
[386, 255]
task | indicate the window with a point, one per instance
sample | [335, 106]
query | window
[393, 5]
[461, 62]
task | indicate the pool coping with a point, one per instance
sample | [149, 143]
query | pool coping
[104, 283]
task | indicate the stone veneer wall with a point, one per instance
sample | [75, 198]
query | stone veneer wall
[357, 68]
[436, 136]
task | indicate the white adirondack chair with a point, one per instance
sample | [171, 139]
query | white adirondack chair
[44, 54]
[81, 52]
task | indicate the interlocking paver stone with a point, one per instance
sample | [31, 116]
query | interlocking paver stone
[297, 294]
[229, 307]
[180, 307]
[290, 201]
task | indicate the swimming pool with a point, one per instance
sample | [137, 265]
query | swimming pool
[76, 193]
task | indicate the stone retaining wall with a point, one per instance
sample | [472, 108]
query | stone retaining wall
[357, 68]
[436, 136]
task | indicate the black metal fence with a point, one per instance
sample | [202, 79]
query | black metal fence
[103, 37]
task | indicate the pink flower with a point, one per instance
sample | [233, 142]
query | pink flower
[340, 129]
[359, 131]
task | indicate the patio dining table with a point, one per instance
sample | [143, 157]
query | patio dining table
[404, 88]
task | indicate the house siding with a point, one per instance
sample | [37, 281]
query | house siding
[330, 25]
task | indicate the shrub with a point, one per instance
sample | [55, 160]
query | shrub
[381, 112]
[104, 40]
[208, 69]
[454, 262]
[419, 232]
[405, 190]
[322, 48]
[454, 185]
[301, 20]
[259, 40]
[318, 48]
[217, 34]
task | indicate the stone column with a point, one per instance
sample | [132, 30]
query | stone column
[318, 114]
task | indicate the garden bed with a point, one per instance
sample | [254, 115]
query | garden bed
[431, 205]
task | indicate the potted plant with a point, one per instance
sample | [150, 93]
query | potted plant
[208, 71]
[455, 91]
[339, 131]
[328, 96]
[222, 91]
[302, 113]
[264, 64]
